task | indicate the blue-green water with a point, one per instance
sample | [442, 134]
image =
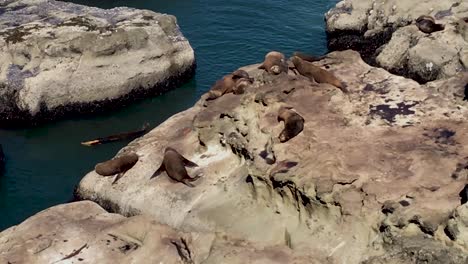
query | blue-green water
[45, 163]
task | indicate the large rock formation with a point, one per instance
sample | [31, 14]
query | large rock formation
[83, 232]
[378, 175]
[386, 35]
[58, 58]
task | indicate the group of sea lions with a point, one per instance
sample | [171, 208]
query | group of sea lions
[174, 164]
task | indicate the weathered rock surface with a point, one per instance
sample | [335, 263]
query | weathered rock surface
[376, 176]
[386, 35]
[83, 232]
[58, 58]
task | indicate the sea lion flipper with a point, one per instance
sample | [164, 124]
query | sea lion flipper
[261, 67]
[158, 171]
[189, 163]
[188, 183]
[120, 175]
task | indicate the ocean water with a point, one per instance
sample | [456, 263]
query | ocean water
[45, 163]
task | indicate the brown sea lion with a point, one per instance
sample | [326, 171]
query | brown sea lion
[307, 57]
[174, 165]
[313, 72]
[231, 83]
[293, 123]
[117, 137]
[117, 165]
[428, 25]
[274, 63]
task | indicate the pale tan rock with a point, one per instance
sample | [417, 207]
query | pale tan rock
[82, 232]
[389, 140]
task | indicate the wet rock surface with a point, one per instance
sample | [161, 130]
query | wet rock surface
[386, 35]
[59, 58]
[377, 175]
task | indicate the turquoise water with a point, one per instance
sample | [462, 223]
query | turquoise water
[45, 163]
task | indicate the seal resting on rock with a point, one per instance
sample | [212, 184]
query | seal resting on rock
[231, 83]
[293, 123]
[428, 25]
[274, 63]
[117, 165]
[174, 165]
[313, 72]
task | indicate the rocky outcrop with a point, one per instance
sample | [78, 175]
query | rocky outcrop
[59, 58]
[83, 232]
[384, 32]
[377, 175]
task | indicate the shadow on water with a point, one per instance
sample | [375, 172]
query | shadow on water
[43, 164]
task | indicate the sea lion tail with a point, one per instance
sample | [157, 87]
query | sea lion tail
[188, 183]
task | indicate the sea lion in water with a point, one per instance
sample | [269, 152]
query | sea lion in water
[274, 63]
[174, 165]
[307, 57]
[117, 165]
[122, 136]
[234, 82]
[428, 25]
[313, 72]
[293, 123]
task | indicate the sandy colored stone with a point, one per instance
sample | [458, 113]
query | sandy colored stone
[83, 232]
[390, 141]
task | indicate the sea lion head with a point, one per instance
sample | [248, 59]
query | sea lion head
[296, 60]
[428, 25]
[240, 74]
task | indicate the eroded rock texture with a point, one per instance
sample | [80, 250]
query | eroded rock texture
[386, 35]
[58, 58]
[83, 232]
[377, 175]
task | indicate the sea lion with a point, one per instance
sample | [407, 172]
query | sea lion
[293, 123]
[428, 25]
[307, 57]
[117, 165]
[234, 82]
[274, 63]
[174, 165]
[122, 136]
[313, 72]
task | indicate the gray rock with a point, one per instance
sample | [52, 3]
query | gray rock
[389, 141]
[367, 26]
[58, 58]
